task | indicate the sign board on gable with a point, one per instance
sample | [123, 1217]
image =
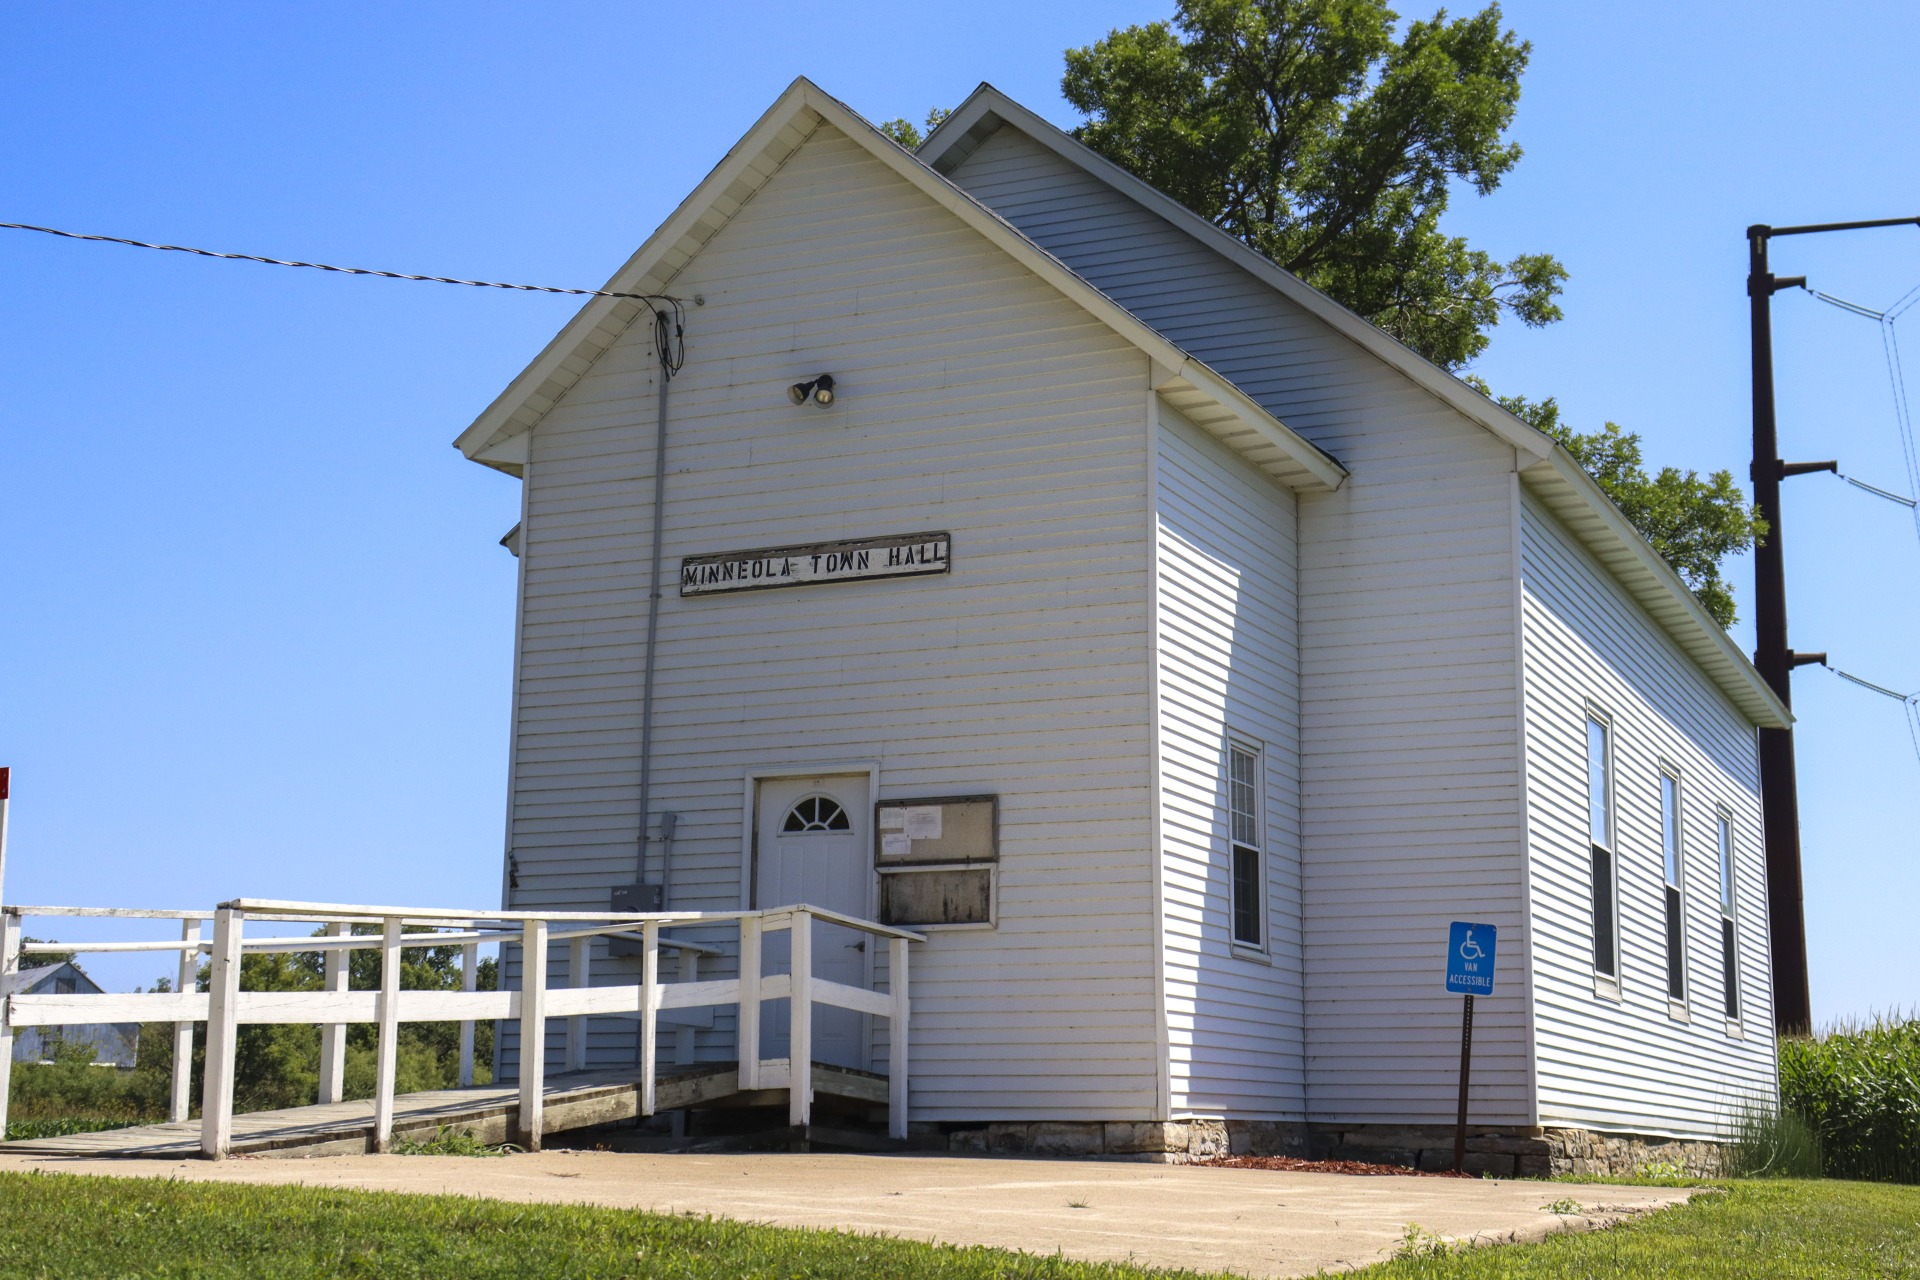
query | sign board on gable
[1470, 950]
[896, 556]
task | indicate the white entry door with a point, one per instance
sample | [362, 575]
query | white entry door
[814, 847]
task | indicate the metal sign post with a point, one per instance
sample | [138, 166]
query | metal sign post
[1470, 952]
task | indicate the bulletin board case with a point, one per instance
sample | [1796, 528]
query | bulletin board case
[938, 859]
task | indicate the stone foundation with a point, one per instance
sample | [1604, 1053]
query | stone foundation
[1161, 1141]
[1497, 1151]
[1494, 1150]
[1578, 1152]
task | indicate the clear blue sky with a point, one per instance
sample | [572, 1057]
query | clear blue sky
[256, 628]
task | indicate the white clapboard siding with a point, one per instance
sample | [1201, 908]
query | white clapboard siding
[1411, 806]
[972, 398]
[1629, 1064]
[1228, 644]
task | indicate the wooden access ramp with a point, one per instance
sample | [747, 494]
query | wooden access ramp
[491, 1113]
[332, 931]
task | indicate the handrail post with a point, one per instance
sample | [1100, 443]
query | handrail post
[800, 1023]
[649, 1013]
[223, 1029]
[9, 966]
[683, 1046]
[579, 960]
[180, 1105]
[897, 1039]
[388, 1060]
[338, 964]
[469, 982]
[533, 1031]
[747, 1032]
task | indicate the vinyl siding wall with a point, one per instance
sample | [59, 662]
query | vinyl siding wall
[974, 399]
[1410, 777]
[1629, 1064]
[1229, 668]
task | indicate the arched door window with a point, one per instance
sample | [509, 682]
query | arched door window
[815, 813]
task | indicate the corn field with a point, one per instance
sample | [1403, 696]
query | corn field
[1858, 1088]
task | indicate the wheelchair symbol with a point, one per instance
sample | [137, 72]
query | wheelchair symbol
[1469, 949]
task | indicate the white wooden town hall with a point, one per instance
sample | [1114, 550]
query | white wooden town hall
[1196, 653]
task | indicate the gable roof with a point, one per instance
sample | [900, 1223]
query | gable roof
[26, 980]
[1544, 465]
[499, 437]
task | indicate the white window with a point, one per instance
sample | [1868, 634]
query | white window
[816, 813]
[1248, 870]
[1729, 949]
[1671, 857]
[1600, 827]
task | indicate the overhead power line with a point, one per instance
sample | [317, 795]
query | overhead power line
[1878, 492]
[349, 271]
[1909, 701]
[1897, 379]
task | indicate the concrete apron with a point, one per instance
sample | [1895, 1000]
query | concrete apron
[1249, 1221]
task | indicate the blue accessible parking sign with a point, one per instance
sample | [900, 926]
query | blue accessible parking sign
[1470, 958]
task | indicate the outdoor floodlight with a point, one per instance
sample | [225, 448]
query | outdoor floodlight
[820, 391]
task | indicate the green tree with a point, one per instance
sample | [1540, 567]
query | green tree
[278, 1064]
[1320, 137]
[42, 959]
[907, 134]
[1693, 523]
[1308, 130]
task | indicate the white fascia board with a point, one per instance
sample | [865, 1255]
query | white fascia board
[960, 132]
[602, 320]
[508, 455]
[780, 131]
[1590, 516]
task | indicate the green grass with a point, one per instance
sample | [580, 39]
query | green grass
[61, 1225]
[1775, 1229]
[57, 1225]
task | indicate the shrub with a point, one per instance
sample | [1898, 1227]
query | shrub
[71, 1089]
[1858, 1087]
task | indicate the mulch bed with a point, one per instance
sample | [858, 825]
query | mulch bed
[1356, 1168]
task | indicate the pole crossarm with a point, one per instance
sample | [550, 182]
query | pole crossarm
[1814, 228]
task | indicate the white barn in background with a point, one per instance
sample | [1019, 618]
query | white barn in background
[1197, 653]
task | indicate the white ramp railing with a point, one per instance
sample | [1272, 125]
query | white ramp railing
[224, 1007]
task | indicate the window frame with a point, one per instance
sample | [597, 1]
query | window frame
[1726, 854]
[1673, 824]
[816, 825]
[1261, 949]
[1606, 982]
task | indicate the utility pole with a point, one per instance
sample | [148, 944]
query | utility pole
[1773, 655]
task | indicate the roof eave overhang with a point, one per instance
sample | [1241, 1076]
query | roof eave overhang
[499, 436]
[1573, 498]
